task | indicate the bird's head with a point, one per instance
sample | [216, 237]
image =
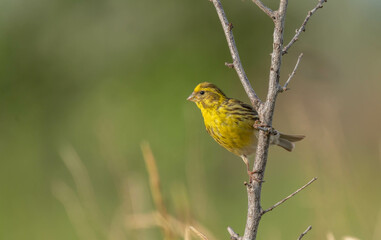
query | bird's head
[207, 95]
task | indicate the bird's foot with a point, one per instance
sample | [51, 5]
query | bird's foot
[254, 178]
[264, 127]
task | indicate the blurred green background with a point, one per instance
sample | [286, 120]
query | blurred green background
[83, 83]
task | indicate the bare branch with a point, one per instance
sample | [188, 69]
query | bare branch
[255, 101]
[284, 88]
[288, 197]
[233, 235]
[303, 27]
[266, 112]
[265, 9]
[304, 233]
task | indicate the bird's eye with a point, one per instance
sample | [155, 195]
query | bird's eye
[202, 92]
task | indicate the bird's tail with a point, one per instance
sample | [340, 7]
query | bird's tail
[286, 141]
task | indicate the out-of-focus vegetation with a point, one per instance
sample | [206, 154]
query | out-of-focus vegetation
[83, 83]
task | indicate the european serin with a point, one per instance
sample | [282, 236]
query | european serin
[231, 122]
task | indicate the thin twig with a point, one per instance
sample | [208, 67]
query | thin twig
[284, 88]
[303, 27]
[255, 101]
[288, 197]
[304, 233]
[233, 235]
[265, 9]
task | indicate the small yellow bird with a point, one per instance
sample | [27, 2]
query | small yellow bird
[231, 122]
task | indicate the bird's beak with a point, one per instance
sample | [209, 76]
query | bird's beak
[191, 97]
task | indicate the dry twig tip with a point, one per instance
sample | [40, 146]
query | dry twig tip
[285, 88]
[304, 233]
[303, 27]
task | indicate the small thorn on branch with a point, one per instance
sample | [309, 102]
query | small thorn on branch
[248, 184]
[230, 26]
[304, 233]
[283, 89]
[229, 65]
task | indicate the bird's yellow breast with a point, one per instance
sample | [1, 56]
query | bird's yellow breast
[234, 132]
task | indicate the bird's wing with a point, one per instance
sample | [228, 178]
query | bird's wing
[236, 107]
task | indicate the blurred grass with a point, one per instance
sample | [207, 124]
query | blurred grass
[101, 76]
